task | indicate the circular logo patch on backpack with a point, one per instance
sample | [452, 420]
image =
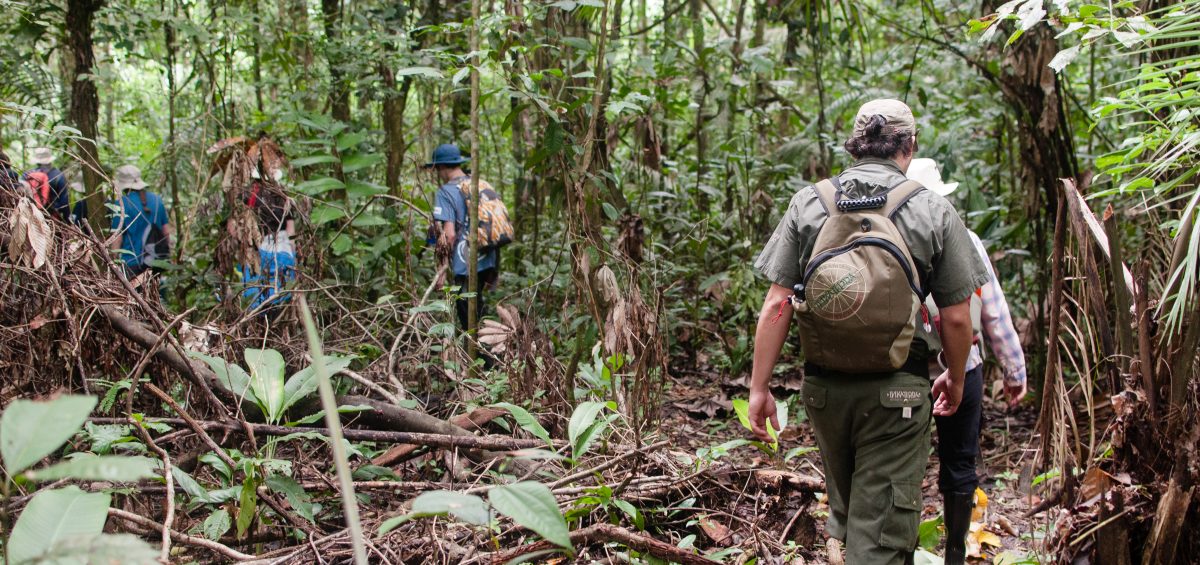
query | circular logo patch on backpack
[835, 291]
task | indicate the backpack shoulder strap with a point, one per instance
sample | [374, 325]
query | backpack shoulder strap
[145, 204]
[899, 195]
[827, 193]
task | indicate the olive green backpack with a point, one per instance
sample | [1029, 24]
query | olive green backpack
[860, 295]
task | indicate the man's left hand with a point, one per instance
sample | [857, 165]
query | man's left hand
[947, 395]
[1015, 392]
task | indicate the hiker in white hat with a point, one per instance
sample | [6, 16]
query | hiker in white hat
[958, 434]
[59, 204]
[142, 222]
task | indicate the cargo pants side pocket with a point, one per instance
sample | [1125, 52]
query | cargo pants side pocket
[902, 517]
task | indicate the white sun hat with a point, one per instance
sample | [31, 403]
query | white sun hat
[42, 156]
[925, 171]
[129, 177]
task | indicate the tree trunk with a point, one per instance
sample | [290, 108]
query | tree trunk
[339, 93]
[84, 111]
[394, 104]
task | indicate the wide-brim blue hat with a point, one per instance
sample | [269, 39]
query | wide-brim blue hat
[447, 154]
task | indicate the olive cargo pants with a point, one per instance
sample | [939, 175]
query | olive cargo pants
[873, 432]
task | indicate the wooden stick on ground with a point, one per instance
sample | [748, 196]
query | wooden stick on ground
[185, 539]
[611, 533]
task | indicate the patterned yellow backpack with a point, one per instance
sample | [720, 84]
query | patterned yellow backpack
[495, 229]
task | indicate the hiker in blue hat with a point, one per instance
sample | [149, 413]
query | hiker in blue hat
[451, 215]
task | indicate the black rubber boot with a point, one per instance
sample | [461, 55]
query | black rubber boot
[957, 512]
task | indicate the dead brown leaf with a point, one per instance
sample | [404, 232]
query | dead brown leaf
[716, 531]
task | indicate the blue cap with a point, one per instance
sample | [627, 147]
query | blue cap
[447, 154]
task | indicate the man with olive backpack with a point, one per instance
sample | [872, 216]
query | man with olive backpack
[854, 257]
[451, 217]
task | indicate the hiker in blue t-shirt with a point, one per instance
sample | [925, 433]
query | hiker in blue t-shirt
[139, 212]
[451, 215]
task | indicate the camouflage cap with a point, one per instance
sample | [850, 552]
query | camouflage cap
[899, 117]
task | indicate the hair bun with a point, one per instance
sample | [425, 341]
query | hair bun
[875, 125]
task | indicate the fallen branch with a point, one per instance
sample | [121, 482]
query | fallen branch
[471, 420]
[416, 438]
[611, 533]
[182, 538]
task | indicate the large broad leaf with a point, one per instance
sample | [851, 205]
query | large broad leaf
[304, 382]
[531, 504]
[299, 499]
[231, 376]
[359, 161]
[216, 524]
[266, 380]
[126, 549]
[313, 160]
[88, 467]
[32, 430]
[526, 421]
[582, 419]
[318, 185]
[56, 517]
[465, 507]
[247, 505]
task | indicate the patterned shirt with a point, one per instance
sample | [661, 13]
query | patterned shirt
[998, 327]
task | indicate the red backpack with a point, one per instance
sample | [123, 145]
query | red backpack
[39, 185]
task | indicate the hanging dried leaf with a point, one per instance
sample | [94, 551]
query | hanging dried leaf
[606, 285]
[239, 141]
[31, 235]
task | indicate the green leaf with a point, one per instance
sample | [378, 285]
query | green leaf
[31, 430]
[928, 534]
[247, 504]
[741, 407]
[304, 382]
[584, 442]
[581, 419]
[419, 71]
[53, 517]
[314, 160]
[88, 467]
[526, 421]
[104, 437]
[216, 525]
[126, 549]
[231, 376]
[266, 380]
[364, 189]
[531, 504]
[360, 161]
[301, 502]
[341, 244]
[350, 139]
[630, 510]
[325, 213]
[313, 187]
[189, 484]
[465, 507]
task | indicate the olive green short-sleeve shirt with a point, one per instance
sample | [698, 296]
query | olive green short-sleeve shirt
[948, 266]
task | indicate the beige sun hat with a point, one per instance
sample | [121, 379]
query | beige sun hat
[898, 115]
[129, 177]
[925, 171]
[42, 156]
